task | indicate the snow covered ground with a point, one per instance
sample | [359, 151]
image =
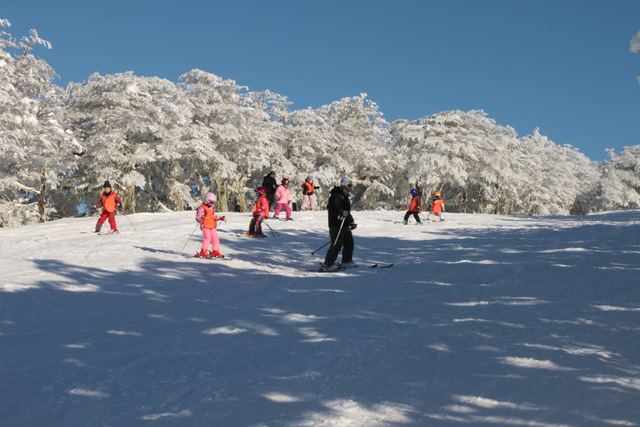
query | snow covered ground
[483, 320]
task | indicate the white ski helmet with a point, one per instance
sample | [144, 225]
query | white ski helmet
[210, 197]
[346, 182]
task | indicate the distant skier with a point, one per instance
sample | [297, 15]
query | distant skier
[269, 184]
[109, 202]
[208, 220]
[415, 207]
[308, 187]
[283, 199]
[437, 206]
[340, 225]
[260, 212]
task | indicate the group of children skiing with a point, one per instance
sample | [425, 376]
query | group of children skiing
[341, 221]
[415, 207]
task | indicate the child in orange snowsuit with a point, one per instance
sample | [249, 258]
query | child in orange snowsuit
[437, 206]
[110, 202]
[415, 207]
[260, 212]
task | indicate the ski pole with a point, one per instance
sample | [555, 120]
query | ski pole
[314, 252]
[185, 245]
[339, 231]
[127, 216]
[274, 232]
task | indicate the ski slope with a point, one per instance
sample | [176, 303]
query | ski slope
[483, 320]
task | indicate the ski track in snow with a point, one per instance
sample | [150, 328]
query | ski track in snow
[483, 320]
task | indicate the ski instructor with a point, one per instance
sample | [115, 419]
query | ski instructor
[340, 226]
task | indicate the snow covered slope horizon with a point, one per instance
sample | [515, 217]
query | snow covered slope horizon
[483, 320]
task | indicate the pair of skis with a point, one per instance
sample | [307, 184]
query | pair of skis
[216, 258]
[100, 233]
[340, 268]
[253, 236]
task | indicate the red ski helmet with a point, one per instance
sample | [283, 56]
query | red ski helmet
[285, 181]
[261, 190]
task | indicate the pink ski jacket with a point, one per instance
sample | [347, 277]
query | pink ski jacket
[282, 195]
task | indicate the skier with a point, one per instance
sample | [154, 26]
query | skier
[208, 220]
[415, 207]
[269, 184]
[260, 212]
[340, 225]
[437, 206]
[283, 199]
[308, 187]
[110, 202]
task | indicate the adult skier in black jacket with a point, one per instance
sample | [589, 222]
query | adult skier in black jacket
[269, 184]
[340, 225]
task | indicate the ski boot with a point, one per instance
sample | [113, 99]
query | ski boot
[203, 254]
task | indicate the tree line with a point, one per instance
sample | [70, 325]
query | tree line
[163, 144]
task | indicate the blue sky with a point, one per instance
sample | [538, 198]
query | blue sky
[561, 65]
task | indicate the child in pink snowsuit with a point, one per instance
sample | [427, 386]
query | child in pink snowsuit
[207, 218]
[283, 199]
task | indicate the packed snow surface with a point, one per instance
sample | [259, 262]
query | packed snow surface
[483, 320]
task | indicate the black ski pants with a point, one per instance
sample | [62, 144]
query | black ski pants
[344, 242]
[415, 215]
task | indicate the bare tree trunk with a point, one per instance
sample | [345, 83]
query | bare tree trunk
[222, 205]
[42, 196]
[127, 195]
[500, 204]
[463, 202]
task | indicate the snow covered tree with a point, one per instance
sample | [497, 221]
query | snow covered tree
[635, 46]
[133, 132]
[35, 149]
[458, 153]
[358, 145]
[483, 167]
[561, 175]
[619, 184]
[235, 139]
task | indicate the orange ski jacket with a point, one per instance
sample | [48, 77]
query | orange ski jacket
[261, 207]
[209, 217]
[437, 205]
[109, 202]
[415, 205]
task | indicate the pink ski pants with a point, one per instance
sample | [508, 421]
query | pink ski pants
[210, 238]
[287, 209]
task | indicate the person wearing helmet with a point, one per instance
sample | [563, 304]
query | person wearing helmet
[260, 212]
[308, 187]
[415, 207]
[437, 207]
[208, 220]
[283, 199]
[340, 225]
